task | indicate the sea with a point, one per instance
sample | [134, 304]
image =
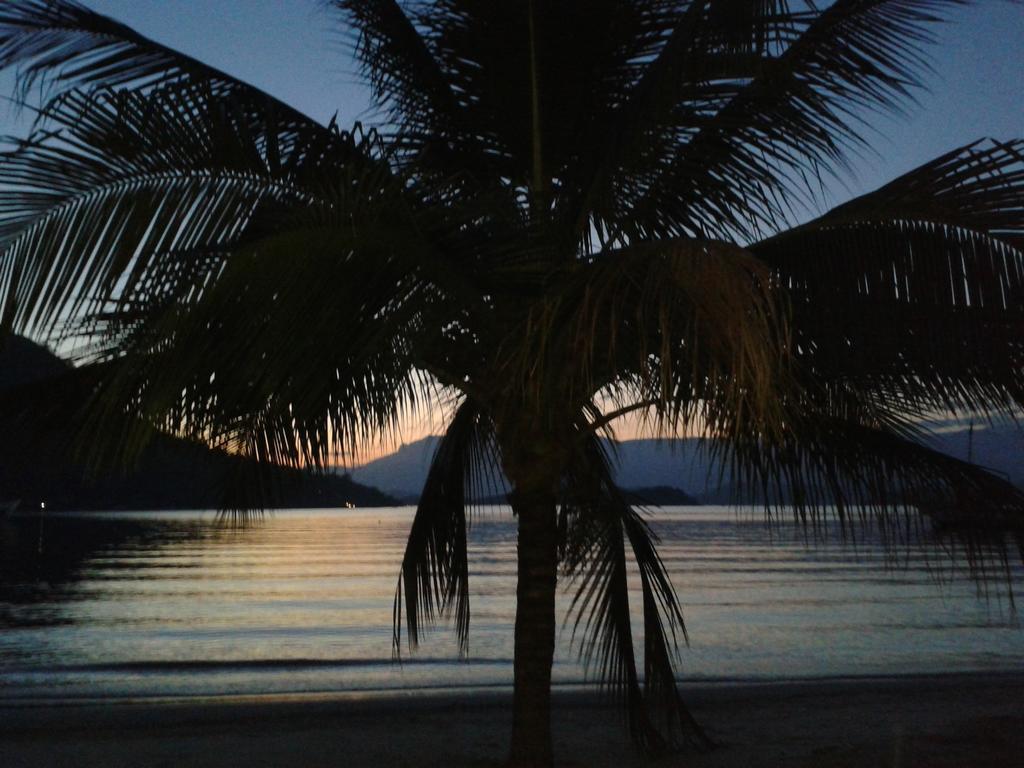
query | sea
[178, 604]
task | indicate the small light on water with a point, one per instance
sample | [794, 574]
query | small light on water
[42, 505]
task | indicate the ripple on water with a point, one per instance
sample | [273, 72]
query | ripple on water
[171, 604]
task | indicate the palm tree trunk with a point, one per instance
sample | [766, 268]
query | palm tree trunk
[535, 629]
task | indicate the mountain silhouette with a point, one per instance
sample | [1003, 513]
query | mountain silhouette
[684, 465]
[652, 471]
[44, 457]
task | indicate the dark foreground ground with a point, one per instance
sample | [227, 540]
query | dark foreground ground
[934, 722]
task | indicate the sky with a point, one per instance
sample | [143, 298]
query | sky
[299, 52]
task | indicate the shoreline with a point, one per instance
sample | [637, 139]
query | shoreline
[565, 690]
[962, 719]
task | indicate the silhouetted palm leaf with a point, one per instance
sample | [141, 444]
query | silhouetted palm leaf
[933, 258]
[695, 329]
[434, 579]
[67, 46]
[112, 182]
[599, 523]
[790, 123]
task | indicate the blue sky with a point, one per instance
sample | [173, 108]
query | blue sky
[297, 51]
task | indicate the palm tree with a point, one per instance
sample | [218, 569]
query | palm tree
[569, 212]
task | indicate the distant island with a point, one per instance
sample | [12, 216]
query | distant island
[660, 496]
[40, 460]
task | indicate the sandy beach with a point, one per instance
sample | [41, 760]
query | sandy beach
[945, 722]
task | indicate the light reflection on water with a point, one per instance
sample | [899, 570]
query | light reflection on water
[172, 604]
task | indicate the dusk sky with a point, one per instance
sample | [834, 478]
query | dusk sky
[299, 52]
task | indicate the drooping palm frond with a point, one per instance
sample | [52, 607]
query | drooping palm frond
[905, 302]
[132, 218]
[434, 579]
[594, 557]
[147, 213]
[318, 358]
[876, 481]
[913, 295]
[696, 329]
[598, 524]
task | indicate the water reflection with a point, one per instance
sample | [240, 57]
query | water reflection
[43, 558]
[172, 603]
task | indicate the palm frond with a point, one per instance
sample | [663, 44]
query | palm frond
[64, 45]
[434, 579]
[270, 382]
[455, 77]
[324, 227]
[915, 293]
[794, 121]
[433, 127]
[697, 57]
[599, 523]
[148, 212]
[696, 328]
[878, 478]
[114, 181]
[978, 187]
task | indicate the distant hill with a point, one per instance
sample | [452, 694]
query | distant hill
[662, 469]
[999, 447]
[402, 473]
[23, 362]
[40, 459]
[683, 466]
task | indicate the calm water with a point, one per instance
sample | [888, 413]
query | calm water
[171, 604]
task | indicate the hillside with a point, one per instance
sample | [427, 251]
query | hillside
[41, 459]
[658, 471]
[23, 362]
[401, 473]
[683, 466]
